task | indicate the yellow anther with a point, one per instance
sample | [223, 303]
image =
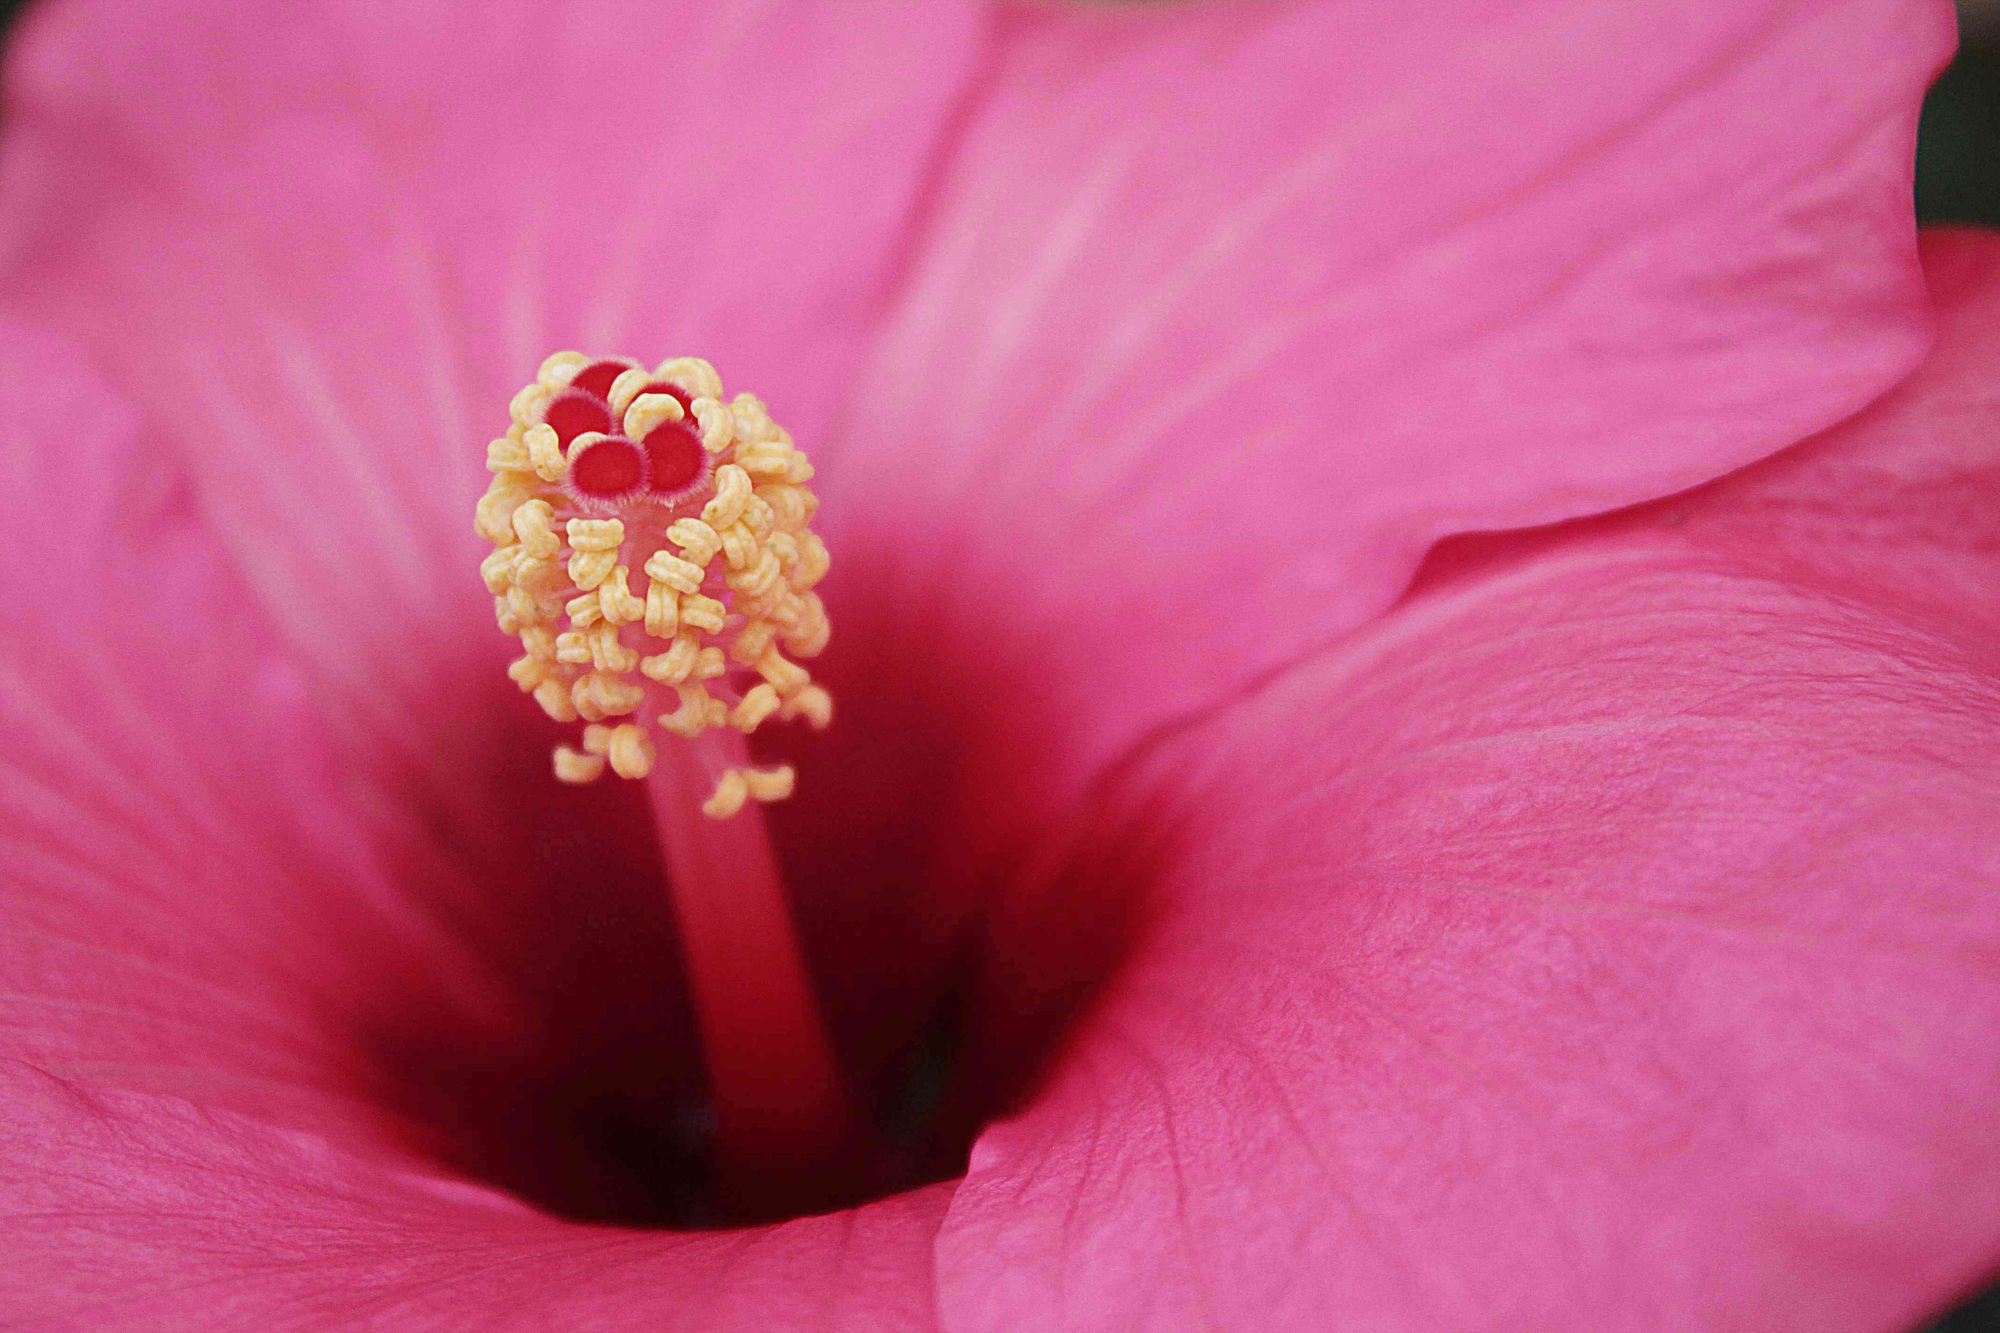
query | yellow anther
[577, 768]
[680, 575]
[674, 665]
[631, 751]
[766, 605]
[813, 704]
[731, 791]
[751, 421]
[626, 388]
[759, 517]
[560, 369]
[752, 640]
[788, 611]
[493, 519]
[810, 638]
[526, 607]
[693, 716]
[792, 506]
[600, 695]
[757, 704]
[530, 403]
[785, 546]
[770, 460]
[718, 428]
[595, 534]
[812, 623]
[704, 613]
[813, 562]
[508, 454]
[786, 677]
[650, 411]
[692, 374]
[769, 784]
[552, 562]
[663, 610]
[739, 546]
[532, 524]
[757, 580]
[539, 641]
[554, 697]
[587, 569]
[698, 541]
[540, 577]
[732, 492]
[607, 651]
[498, 570]
[545, 452]
[616, 601]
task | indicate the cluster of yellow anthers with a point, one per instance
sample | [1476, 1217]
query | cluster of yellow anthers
[609, 467]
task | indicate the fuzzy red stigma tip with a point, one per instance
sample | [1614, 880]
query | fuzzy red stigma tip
[674, 459]
[608, 469]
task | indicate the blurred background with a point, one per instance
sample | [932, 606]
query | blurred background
[1957, 180]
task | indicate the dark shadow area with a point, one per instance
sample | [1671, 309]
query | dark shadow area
[571, 1077]
[1958, 143]
[1981, 1314]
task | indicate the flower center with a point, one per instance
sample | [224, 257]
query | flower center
[609, 468]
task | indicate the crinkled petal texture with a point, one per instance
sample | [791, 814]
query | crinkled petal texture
[129, 1211]
[1608, 938]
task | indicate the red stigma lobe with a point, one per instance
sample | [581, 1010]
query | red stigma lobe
[674, 458]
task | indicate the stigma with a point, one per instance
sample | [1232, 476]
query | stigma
[653, 551]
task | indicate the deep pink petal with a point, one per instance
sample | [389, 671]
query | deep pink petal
[1224, 314]
[183, 889]
[1610, 938]
[124, 1211]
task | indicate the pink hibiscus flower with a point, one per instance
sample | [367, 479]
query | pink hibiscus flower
[1594, 929]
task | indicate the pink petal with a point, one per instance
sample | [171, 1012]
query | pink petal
[1608, 939]
[1225, 314]
[171, 918]
[123, 1211]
